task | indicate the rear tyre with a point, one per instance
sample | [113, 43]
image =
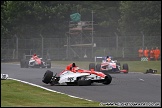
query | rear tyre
[22, 62]
[47, 77]
[125, 67]
[98, 67]
[42, 65]
[26, 63]
[48, 64]
[92, 66]
[108, 79]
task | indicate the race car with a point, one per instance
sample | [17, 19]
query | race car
[4, 76]
[29, 62]
[73, 75]
[111, 66]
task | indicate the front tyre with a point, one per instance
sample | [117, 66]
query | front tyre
[48, 64]
[98, 67]
[108, 79]
[26, 64]
[92, 66]
[47, 77]
[22, 63]
[125, 67]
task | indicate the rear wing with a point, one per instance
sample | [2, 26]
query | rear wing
[104, 58]
[28, 56]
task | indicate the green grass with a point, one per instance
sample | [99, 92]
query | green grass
[17, 94]
[134, 66]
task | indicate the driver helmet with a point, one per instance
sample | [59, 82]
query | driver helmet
[69, 67]
[108, 58]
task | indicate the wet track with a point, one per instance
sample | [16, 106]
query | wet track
[131, 87]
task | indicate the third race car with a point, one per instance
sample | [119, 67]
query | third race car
[109, 66]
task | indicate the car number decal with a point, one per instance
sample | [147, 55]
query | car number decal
[70, 78]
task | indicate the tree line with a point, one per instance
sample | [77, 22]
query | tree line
[28, 19]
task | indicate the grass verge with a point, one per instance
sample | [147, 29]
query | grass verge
[17, 94]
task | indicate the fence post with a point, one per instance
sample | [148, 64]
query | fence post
[16, 46]
[123, 52]
[143, 40]
[42, 44]
[116, 43]
[30, 51]
[13, 56]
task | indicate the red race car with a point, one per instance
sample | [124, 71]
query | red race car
[73, 75]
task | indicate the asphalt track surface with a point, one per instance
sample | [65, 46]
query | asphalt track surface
[131, 87]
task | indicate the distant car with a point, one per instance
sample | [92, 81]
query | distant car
[4, 76]
[73, 75]
[109, 67]
[28, 62]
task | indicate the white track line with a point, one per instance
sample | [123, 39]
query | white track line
[47, 89]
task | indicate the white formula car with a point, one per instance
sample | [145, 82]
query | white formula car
[34, 63]
[73, 75]
[109, 67]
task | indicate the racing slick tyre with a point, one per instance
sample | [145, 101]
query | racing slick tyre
[48, 64]
[108, 79]
[22, 63]
[92, 66]
[84, 82]
[125, 67]
[47, 77]
[98, 67]
[26, 65]
[42, 65]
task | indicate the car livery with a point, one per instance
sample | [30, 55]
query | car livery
[38, 62]
[109, 67]
[73, 75]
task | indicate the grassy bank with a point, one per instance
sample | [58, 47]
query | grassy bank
[17, 94]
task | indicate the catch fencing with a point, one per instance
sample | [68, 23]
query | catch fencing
[58, 48]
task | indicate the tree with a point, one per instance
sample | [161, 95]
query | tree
[29, 19]
[140, 16]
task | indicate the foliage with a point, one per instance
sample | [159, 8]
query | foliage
[28, 19]
[140, 16]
